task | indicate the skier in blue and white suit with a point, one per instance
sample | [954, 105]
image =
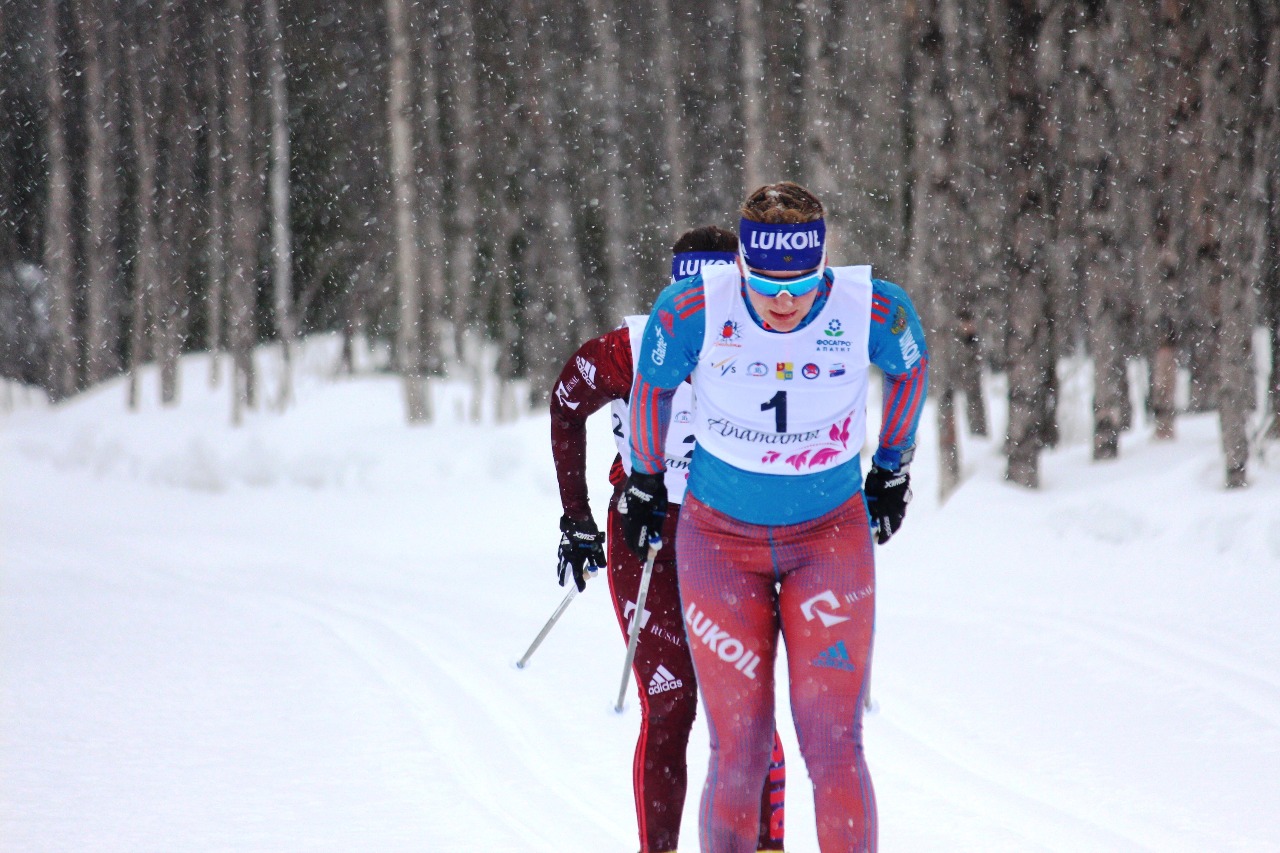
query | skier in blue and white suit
[774, 532]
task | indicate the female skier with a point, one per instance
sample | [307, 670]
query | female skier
[774, 533]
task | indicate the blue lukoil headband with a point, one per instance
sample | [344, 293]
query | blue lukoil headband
[793, 247]
[686, 264]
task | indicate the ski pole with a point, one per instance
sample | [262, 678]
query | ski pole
[633, 632]
[546, 629]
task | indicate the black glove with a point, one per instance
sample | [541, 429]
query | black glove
[888, 493]
[581, 550]
[643, 506]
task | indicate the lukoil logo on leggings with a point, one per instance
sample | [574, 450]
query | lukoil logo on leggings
[730, 649]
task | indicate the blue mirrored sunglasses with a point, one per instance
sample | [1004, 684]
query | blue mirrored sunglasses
[769, 286]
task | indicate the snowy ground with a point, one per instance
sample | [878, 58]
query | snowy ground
[298, 635]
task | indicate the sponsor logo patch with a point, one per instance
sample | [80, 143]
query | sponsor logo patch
[833, 339]
[588, 371]
[729, 429]
[670, 636]
[910, 349]
[836, 657]
[628, 609]
[757, 368]
[663, 681]
[730, 331]
[810, 371]
[564, 390]
[785, 370]
[899, 321]
[811, 611]
[836, 369]
[727, 647]
[785, 242]
[726, 366]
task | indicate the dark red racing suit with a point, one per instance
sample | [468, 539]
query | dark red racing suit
[597, 374]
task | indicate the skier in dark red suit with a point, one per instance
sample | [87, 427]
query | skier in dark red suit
[601, 372]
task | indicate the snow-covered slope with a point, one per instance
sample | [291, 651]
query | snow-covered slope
[299, 635]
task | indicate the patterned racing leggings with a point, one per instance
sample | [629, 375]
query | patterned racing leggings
[739, 585]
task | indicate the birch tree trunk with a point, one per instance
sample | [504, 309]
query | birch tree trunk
[822, 172]
[281, 234]
[667, 60]
[508, 164]
[468, 334]
[146, 271]
[751, 55]
[216, 199]
[408, 286]
[1154, 131]
[176, 187]
[1269, 189]
[59, 259]
[102, 121]
[1231, 113]
[243, 214]
[1029, 345]
[1101, 177]
[434, 249]
[613, 294]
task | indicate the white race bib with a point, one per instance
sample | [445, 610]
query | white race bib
[788, 403]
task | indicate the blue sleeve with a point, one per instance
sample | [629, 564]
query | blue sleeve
[668, 353]
[897, 346]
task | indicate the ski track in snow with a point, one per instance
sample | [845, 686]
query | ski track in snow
[431, 689]
[1228, 678]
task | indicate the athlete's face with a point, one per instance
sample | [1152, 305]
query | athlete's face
[783, 312]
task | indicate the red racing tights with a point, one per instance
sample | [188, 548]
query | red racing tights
[815, 582]
[669, 701]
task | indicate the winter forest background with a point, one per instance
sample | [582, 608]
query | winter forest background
[476, 186]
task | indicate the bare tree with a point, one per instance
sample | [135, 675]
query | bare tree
[216, 196]
[612, 294]
[462, 85]
[146, 272]
[1101, 179]
[281, 235]
[173, 295]
[751, 48]
[1237, 219]
[667, 67]
[244, 216]
[98, 37]
[1031, 359]
[59, 258]
[1268, 189]
[404, 206]
[431, 201]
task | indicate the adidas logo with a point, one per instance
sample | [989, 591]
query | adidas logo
[836, 657]
[663, 681]
[588, 371]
